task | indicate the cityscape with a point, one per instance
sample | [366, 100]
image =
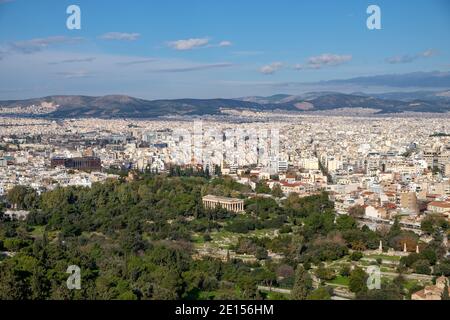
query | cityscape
[330, 187]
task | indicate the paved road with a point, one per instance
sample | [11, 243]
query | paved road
[412, 276]
[384, 261]
[338, 298]
[339, 294]
[272, 289]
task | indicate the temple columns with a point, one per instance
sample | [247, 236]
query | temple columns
[233, 206]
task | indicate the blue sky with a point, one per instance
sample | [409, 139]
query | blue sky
[203, 49]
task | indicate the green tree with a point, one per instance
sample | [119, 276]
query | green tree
[325, 274]
[346, 222]
[356, 256]
[14, 284]
[2, 211]
[358, 280]
[261, 253]
[303, 284]
[262, 187]
[277, 192]
[345, 270]
[40, 286]
[443, 268]
[387, 292]
[422, 266]
[395, 229]
[427, 226]
[434, 222]
[248, 287]
[445, 294]
[320, 294]
[23, 197]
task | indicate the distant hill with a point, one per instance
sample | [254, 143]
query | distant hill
[121, 106]
[411, 96]
[394, 102]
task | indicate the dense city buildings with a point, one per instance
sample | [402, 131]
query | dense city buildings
[380, 171]
[395, 165]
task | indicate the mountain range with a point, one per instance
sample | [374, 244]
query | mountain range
[121, 106]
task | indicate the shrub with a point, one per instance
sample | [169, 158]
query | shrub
[345, 270]
[356, 256]
[422, 266]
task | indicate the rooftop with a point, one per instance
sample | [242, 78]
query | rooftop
[221, 199]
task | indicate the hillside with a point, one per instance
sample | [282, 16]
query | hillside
[121, 106]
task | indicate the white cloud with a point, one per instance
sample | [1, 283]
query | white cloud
[37, 77]
[75, 74]
[225, 43]
[3, 52]
[406, 58]
[271, 68]
[76, 60]
[188, 44]
[324, 60]
[195, 67]
[38, 44]
[123, 36]
[429, 53]
[138, 61]
[401, 59]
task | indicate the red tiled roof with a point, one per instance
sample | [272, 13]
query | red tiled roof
[440, 204]
[292, 185]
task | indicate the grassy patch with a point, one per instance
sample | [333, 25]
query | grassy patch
[38, 232]
[277, 296]
[384, 257]
[207, 295]
[197, 239]
[385, 269]
[340, 280]
[409, 284]
[263, 233]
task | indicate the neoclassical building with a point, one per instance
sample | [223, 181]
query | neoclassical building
[231, 204]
